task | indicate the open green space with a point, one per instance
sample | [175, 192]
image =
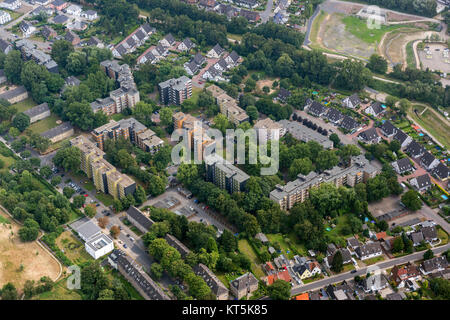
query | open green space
[410, 60]
[24, 105]
[72, 248]
[106, 199]
[44, 124]
[430, 122]
[374, 260]
[4, 220]
[359, 29]
[246, 249]
[59, 292]
[7, 161]
[316, 26]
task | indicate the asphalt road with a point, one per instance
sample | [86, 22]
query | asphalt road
[265, 15]
[363, 271]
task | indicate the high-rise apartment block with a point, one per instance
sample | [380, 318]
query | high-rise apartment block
[228, 105]
[105, 176]
[225, 175]
[175, 91]
[129, 129]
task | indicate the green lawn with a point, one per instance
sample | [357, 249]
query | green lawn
[374, 260]
[246, 249]
[24, 105]
[359, 29]
[443, 236]
[4, 220]
[44, 124]
[7, 161]
[134, 294]
[106, 199]
[59, 292]
[316, 26]
[410, 60]
[286, 248]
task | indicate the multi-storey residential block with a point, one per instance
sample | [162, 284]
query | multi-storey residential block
[298, 190]
[224, 174]
[129, 129]
[4, 17]
[105, 176]
[228, 105]
[268, 129]
[175, 91]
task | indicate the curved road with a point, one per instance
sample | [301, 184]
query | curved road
[348, 275]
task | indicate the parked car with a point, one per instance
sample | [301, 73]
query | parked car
[353, 271]
[125, 245]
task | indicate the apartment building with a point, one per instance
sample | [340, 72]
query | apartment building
[298, 190]
[4, 17]
[105, 176]
[29, 51]
[224, 174]
[267, 129]
[228, 105]
[129, 129]
[175, 91]
[126, 96]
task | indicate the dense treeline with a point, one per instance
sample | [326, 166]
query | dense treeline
[419, 7]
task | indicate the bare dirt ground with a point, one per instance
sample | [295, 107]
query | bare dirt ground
[266, 82]
[35, 260]
[386, 205]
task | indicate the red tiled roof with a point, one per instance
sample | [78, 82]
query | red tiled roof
[381, 235]
[303, 296]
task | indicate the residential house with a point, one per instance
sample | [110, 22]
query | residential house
[38, 112]
[12, 5]
[396, 296]
[280, 275]
[352, 101]
[5, 46]
[244, 285]
[74, 10]
[199, 59]
[403, 138]
[400, 274]
[89, 14]
[139, 219]
[416, 238]
[251, 16]
[215, 52]
[429, 234]
[375, 283]
[95, 42]
[221, 65]
[345, 253]
[433, 265]
[262, 237]
[59, 133]
[186, 45]
[44, 10]
[168, 41]
[415, 149]
[375, 109]
[5, 17]
[15, 95]
[334, 116]
[369, 250]
[48, 32]
[217, 287]
[72, 37]
[191, 68]
[421, 183]
[177, 244]
[388, 129]
[316, 109]
[60, 19]
[403, 165]
[59, 5]
[27, 28]
[441, 172]
[72, 81]
[348, 123]
[369, 136]
[353, 243]
[428, 161]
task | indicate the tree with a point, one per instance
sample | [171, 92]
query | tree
[197, 286]
[93, 280]
[13, 132]
[46, 172]
[326, 160]
[428, 255]
[103, 222]
[90, 211]
[398, 245]
[9, 292]
[68, 192]
[29, 231]
[187, 173]
[106, 294]
[165, 115]
[221, 123]
[13, 66]
[303, 166]
[252, 112]
[394, 145]
[337, 263]
[21, 121]
[61, 49]
[68, 158]
[352, 75]
[78, 201]
[115, 231]
[377, 64]
[156, 270]
[56, 180]
[412, 200]
[335, 138]
[279, 290]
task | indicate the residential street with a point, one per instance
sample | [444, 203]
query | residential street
[266, 14]
[363, 271]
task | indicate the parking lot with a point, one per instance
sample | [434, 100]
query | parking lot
[435, 57]
[190, 208]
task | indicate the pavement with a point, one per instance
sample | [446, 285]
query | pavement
[363, 271]
[266, 14]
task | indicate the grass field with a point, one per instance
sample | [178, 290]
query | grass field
[44, 124]
[316, 26]
[134, 294]
[106, 199]
[7, 161]
[59, 292]
[21, 261]
[374, 260]
[359, 29]
[410, 60]
[430, 122]
[24, 105]
[4, 220]
[72, 248]
[246, 249]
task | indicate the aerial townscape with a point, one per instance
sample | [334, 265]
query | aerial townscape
[118, 170]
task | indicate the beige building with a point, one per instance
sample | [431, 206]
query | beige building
[15, 95]
[38, 112]
[244, 286]
[228, 105]
[59, 133]
[268, 129]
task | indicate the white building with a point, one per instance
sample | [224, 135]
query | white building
[4, 17]
[27, 29]
[11, 4]
[99, 245]
[89, 14]
[74, 10]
